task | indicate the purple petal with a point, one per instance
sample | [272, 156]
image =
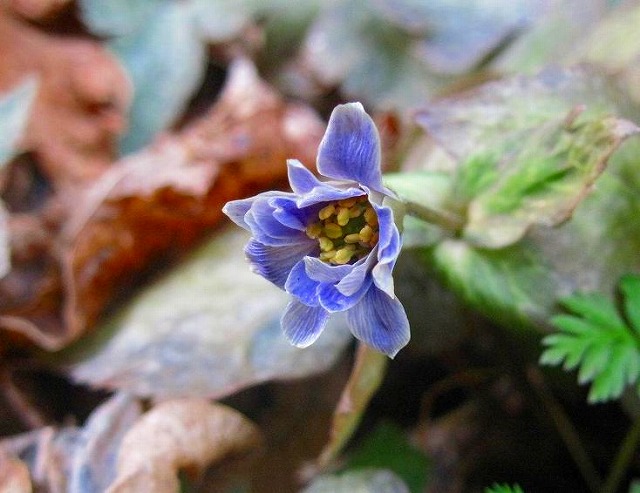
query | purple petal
[328, 191]
[350, 148]
[275, 263]
[287, 212]
[380, 322]
[302, 180]
[237, 210]
[266, 228]
[389, 246]
[303, 324]
[352, 282]
[323, 272]
[300, 286]
[334, 301]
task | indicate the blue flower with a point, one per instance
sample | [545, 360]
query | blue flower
[332, 245]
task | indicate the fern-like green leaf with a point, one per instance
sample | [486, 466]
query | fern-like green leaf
[503, 488]
[602, 343]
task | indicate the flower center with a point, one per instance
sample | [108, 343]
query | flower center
[347, 230]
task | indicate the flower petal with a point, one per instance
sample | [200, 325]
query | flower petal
[380, 322]
[334, 301]
[352, 282]
[266, 228]
[323, 272]
[275, 263]
[237, 210]
[303, 324]
[328, 191]
[350, 148]
[302, 180]
[389, 246]
[301, 286]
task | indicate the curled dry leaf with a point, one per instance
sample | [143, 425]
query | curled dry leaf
[187, 434]
[79, 110]
[14, 475]
[153, 206]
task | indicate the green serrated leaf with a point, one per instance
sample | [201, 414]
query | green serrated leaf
[630, 287]
[504, 488]
[596, 340]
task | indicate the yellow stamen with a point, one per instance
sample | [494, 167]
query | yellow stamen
[371, 217]
[366, 233]
[346, 230]
[326, 244]
[347, 203]
[314, 230]
[344, 255]
[332, 230]
[327, 255]
[327, 212]
[343, 216]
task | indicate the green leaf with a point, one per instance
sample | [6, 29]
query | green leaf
[513, 286]
[504, 488]
[15, 109]
[209, 328]
[594, 338]
[387, 447]
[366, 481]
[630, 287]
[536, 173]
[518, 285]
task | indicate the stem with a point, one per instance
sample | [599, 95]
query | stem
[623, 459]
[566, 430]
[447, 220]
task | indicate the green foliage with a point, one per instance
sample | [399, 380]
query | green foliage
[503, 488]
[604, 344]
[387, 448]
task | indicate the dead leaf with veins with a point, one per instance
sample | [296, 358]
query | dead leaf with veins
[180, 435]
[80, 109]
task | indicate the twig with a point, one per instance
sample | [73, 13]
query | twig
[623, 459]
[566, 430]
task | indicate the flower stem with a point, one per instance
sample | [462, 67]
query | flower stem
[446, 220]
[623, 458]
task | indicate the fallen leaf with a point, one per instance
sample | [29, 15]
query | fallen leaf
[80, 105]
[364, 481]
[15, 109]
[36, 10]
[76, 460]
[14, 475]
[188, 434]
[152, 207]
[210, 328]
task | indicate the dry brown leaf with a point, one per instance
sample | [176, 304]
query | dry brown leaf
[84, 93]
[156, 204]
[14, 475]
[187, 434]
[153, 206]
[37, 9]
